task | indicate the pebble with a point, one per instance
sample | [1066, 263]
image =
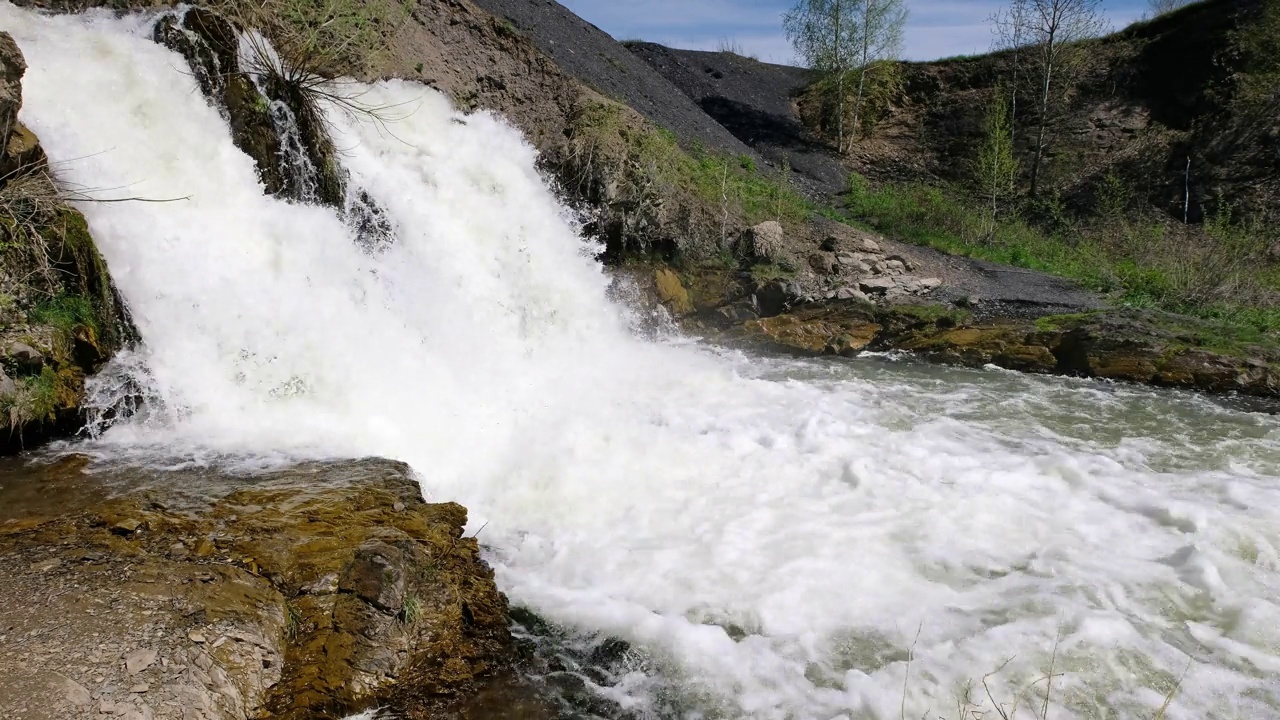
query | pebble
[140, 688]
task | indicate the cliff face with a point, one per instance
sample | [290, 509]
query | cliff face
[1153, 95]
[60, 317]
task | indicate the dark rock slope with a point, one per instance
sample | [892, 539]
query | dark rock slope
[753, 100]
[589, 54]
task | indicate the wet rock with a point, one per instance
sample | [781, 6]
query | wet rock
[377, 576]
[672, 292]
[12, 67]
[217, 641]
[776, 297]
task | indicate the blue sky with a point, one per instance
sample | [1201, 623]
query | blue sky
[936, 28]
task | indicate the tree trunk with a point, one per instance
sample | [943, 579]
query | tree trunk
[1044, 117]
[836, 13]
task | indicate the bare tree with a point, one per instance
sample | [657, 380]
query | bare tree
[835, 36]
[1012, 30]
[1055, 31]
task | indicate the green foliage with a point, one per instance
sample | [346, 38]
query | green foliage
[340, 37]
[996, 172]
[619, 155]
[821, 106]
[67, 313]
[37, 399]
[1217, 272]
[767, 272]
[411, 613]
[1112, 196]
[1258, 43]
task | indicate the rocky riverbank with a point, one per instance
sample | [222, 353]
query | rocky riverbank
[300, 593]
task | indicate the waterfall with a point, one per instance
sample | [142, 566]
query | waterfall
[775, 538]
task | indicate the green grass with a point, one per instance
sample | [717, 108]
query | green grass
[37, 400]
[67, 313]
[411, 613]
[1214, 272]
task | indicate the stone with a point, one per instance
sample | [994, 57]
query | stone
[398, 507]
[26, 356]
[878, 285]
[823, 263]
[139, 660]
[12, 68]
[894, 267]
[910, 266]
[776, 297]
[928, 284]
[75, 693]
[7, 386]
[866, 244]
[377, 576]
[672, 292]
[847, 259]
[848, 293]
[762, 242]
[140, 688]
[126, 527]
[196, 636]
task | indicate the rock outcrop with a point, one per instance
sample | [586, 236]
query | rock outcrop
[1144, 347]
[302, 593]
[60, 316]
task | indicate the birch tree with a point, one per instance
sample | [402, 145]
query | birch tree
[836, 37]
[880, 39]
[1012, 29]
[1055, 30]
[997, 169]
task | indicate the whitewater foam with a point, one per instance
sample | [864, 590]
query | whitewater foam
[771, 535]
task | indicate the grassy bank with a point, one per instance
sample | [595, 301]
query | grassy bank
[1219, 270]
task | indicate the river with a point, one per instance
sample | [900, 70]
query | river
[773, 538]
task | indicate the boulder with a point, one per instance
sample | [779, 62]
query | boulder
[762, 242]
[672, 292]
[776, 297]
[7, 386]
[12, 68]
[879, 286]
[849, 293]
[823, 263]
[26, 356]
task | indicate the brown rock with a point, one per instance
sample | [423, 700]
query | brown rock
[672, 292]
[12, 67]
[377, 576]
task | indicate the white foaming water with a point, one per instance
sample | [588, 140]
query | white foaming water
[775, 538]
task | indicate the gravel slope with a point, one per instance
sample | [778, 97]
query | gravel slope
[592, 56]
[753, 100]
